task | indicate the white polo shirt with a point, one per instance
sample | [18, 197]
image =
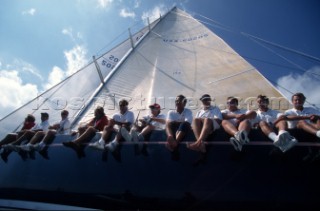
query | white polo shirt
[44, 126]
[185, 116]
[124, 118]
[268, 116]
[305, 112]
[211, 112]
[234, 120]
[65, 127]
[157, 125]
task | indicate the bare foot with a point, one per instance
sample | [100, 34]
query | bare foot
[197, 146]
[171, 144]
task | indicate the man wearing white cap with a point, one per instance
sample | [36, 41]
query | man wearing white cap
[154, 121]
[207, 120]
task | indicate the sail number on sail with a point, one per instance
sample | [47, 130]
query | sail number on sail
[111, 62]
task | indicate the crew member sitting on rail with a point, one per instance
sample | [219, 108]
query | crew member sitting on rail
[237, 123]
[267, 120]
[207, 120]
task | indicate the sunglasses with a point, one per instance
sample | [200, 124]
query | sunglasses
[231, 103]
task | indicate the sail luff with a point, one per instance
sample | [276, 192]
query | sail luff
[79, 115]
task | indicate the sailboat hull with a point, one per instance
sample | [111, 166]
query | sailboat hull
[154, 178]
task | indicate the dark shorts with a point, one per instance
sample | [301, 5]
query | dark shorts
[181, 126]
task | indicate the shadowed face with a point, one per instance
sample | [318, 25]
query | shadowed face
[180, 103]
[123, 107]
[297, 102]
[206, 102]
[64, 114]
[154, 111]
[232, 104]
[262, 103]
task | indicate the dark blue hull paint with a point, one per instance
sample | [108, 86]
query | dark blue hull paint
[258, 177]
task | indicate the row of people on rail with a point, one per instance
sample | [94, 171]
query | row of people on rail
[236, 122]
[37, 136]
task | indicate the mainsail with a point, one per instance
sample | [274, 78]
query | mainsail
[175, 54]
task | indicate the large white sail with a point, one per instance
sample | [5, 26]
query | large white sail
[175, 55]
[75, 92]
[182, 56]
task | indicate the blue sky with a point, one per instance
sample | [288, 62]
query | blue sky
[44, 41]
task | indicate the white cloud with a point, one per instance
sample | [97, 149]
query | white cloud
[55, 76]
[13, 93]
[26, 68]
[126, 13]
[104, 3]
[137, 3]
[31, 12]
[307, 83]
[76, 59]
[69, 32]
[153, 14]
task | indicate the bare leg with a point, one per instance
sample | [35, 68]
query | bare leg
[11, 137]
[169, 130]
[37, 137]
[86, 136]
[107, 131]
[146, 130]
[281, 125]
[49, 137]
[205, 132]
[309, 128]
[198, 124]
[229, 127]
[27, 135]
[171, 141]
[245, 125]
[266, 129]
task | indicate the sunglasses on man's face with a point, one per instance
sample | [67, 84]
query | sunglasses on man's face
[231, 103]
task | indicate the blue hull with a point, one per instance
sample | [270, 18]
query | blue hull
[154, 178]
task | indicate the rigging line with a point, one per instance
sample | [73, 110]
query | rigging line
[34, 99]
[231, 76]
[271, 43]
[263, 40]
[310, 103]
[260, 60]
[117, 37]
[289, 61]
[60, 83]
[283, 47]
[229, 30]
[274, 64]
[220, 26]
[284, 58]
